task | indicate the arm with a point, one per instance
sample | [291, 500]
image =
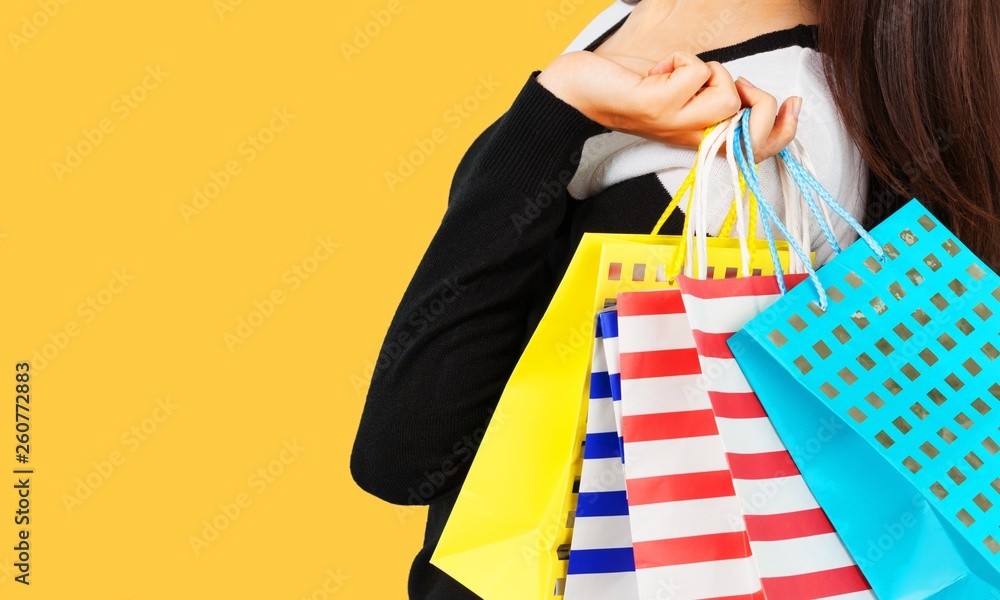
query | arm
[462, 322]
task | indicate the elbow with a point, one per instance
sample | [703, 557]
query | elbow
[394, 476]
[379, 479]
[400, 476]
[403, 453]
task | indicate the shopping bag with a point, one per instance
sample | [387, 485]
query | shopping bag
[514, 510]
[883, 383]
[600, 556]
[795, 549]
[688, 536]
[508, 531]
[609, 328]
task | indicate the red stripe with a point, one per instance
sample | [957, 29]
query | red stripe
[729, 288]
[676, 488]
[658, 302]
[713, 345]
[788, 526]
[764, 465]
[823, 584]
[736, 405]
[758, 595]
[660, 363]
[669, 426]
[694, 549]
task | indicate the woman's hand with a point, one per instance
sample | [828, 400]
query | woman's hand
[672, 102]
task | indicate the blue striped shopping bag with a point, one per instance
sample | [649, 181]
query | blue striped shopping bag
[601, 565]
[612, 358]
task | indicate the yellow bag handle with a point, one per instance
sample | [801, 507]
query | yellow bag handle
[686, 189]
[730, 223]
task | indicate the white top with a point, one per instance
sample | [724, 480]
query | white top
[613, 157]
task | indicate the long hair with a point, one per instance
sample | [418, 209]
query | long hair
[917, 84]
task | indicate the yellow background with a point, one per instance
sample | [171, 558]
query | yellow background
[121, 484]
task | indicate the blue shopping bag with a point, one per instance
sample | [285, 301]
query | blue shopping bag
[601, 563]
[889, 401]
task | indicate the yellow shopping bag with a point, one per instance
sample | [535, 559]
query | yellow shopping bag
[508, 535]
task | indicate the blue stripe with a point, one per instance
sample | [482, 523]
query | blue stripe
[616, 386]
[621, 448]
[597, 329]
[602, 504]
[609, 323]
[600, 385]
[601, 445]
[610, 560]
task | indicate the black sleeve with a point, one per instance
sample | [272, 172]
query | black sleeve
[462, 322]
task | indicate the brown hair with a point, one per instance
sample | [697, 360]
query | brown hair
[918, 86]
[917, 83]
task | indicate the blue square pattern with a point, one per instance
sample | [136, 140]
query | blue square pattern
[908, 353]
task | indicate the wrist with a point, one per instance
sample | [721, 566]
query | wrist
[556, 78]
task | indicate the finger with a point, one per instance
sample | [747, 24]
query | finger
[785, 126]
[665, 66]
[686, 73]
[717, 101]
[763, 111]
[665, 99]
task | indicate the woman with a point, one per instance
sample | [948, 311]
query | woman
[598, 142]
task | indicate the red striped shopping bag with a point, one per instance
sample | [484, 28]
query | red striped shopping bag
[795, 548]
[688, 535]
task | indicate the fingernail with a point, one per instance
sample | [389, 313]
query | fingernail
[746, 82]
[796, 107]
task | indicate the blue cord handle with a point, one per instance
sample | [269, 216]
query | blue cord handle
[808, 183]
[802, 177]
[747, 164]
